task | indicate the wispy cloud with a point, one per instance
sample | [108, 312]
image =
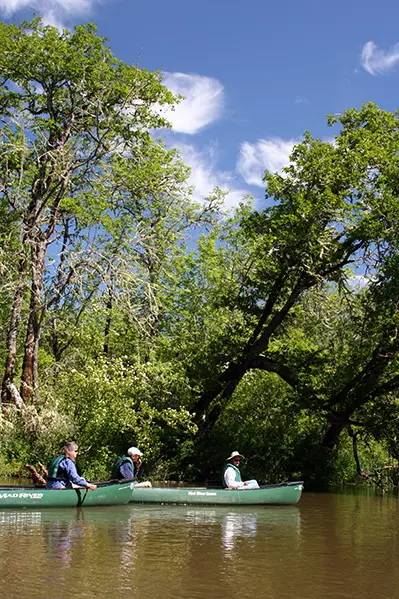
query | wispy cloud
[205, 174]
[254, 158]
[52, 11]
[203, 103]
[359, 281]
[376, 61]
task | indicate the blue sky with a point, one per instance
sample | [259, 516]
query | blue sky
[255, 74]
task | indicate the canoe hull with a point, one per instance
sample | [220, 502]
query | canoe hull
[283, 494]
[34, 497]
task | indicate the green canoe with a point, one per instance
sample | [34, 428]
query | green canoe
[38, 497]
[282, 494]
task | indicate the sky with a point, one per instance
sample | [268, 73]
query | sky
[255, 74]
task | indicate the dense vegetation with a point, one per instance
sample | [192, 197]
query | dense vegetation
[130, 314]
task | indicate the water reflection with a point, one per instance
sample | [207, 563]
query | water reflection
[57, 549]
[59, 540]
[140, 552]
[239, 526]
[200, 515]
[20, 522]
[235, 526]
[179, 539]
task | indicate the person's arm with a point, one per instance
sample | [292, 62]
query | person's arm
[230, 479]
[73, 476]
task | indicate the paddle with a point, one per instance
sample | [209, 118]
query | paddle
[79, 494]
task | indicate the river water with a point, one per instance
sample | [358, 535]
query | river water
[328, 546]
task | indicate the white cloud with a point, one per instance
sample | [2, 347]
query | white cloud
[52, 11]
[376, 61]
[271, 154]
[203, 103]
[205, 175]
[357, 282]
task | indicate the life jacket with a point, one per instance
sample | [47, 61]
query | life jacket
[238, 478]
[52, 468]
[118, 463]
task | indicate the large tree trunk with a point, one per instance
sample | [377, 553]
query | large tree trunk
[9, 393]
[362, 388]
[223, 386]
[333, 433]
[108, 321]
[29, 378]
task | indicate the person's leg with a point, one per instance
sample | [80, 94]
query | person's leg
[252, 484]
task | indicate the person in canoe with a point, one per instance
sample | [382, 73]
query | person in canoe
[126, 467]
[232, 476]
[62, 473]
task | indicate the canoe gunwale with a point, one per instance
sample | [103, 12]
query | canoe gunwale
[106, 483]
[278, 485]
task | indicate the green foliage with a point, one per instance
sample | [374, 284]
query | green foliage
[373, 458]
[116, 406]
[32, 435]
[264, 422]
[253, 339]
[334, 206]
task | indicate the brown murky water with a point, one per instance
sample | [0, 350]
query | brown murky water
[328, 546]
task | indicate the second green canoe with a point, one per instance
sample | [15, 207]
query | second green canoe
[282, 494]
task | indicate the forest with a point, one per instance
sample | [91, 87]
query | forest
[131, 313]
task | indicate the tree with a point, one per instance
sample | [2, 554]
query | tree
[335, 205]
[65, 103]
[153, 216]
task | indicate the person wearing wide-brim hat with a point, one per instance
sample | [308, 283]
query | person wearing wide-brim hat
[232, 476]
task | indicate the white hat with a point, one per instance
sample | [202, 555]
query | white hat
[235, 454]
[134, 451]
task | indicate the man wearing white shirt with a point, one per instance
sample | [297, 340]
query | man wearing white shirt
[232, 476]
